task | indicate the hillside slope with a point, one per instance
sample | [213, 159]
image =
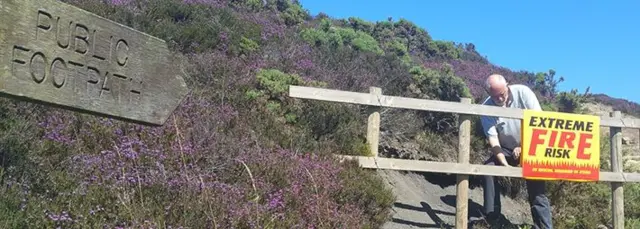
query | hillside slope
[630, 137]
[240, 153]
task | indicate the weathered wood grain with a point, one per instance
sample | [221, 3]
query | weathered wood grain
[468, 169]
[429, 105]
[60, 55]
[617, 196]
[462, 185]
[373, 124]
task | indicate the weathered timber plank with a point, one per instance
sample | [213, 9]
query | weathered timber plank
[60, 55]
[400, 102]
[462, 181]
[373, 124]
[620, 122]
[468, 169]
[433, 166]
[617, 196]
[429, 105]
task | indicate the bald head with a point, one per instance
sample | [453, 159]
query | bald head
[496, 86]
[495, 81]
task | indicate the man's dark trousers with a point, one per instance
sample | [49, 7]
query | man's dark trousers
[540, 207]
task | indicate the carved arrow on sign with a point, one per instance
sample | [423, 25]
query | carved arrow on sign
[60, 55]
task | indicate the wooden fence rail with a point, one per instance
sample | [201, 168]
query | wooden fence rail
[462, 168]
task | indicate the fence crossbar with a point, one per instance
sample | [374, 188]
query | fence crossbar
[462, 168]
[429, 105]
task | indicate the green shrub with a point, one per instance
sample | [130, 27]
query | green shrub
[294, 14]
[276, 83]
[314, 36]
[570, 102]
[366, 43]
[248, 46]
[569, 206]
[398, 47]
[361, 25]
[337, 37]
[447, 50]
[438, 84]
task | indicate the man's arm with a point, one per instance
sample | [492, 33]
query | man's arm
[489, 127]
[496, 150]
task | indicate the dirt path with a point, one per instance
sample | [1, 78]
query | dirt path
[423, 204]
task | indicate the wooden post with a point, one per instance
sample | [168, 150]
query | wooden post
[373, 125]
[462, 186]
[616, 166]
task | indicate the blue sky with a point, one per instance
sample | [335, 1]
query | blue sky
[590, 43]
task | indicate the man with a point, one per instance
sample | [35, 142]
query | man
[503, 135]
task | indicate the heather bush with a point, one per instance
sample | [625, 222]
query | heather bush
[284, 52]
[199, 170]
[622, 105]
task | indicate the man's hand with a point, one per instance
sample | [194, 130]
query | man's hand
[516, 152]
[502, 159]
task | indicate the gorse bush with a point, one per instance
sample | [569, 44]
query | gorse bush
[438, 84]
[337, 37]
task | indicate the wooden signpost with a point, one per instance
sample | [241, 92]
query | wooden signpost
[60, 55]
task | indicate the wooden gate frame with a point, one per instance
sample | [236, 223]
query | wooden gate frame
[462, 168]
